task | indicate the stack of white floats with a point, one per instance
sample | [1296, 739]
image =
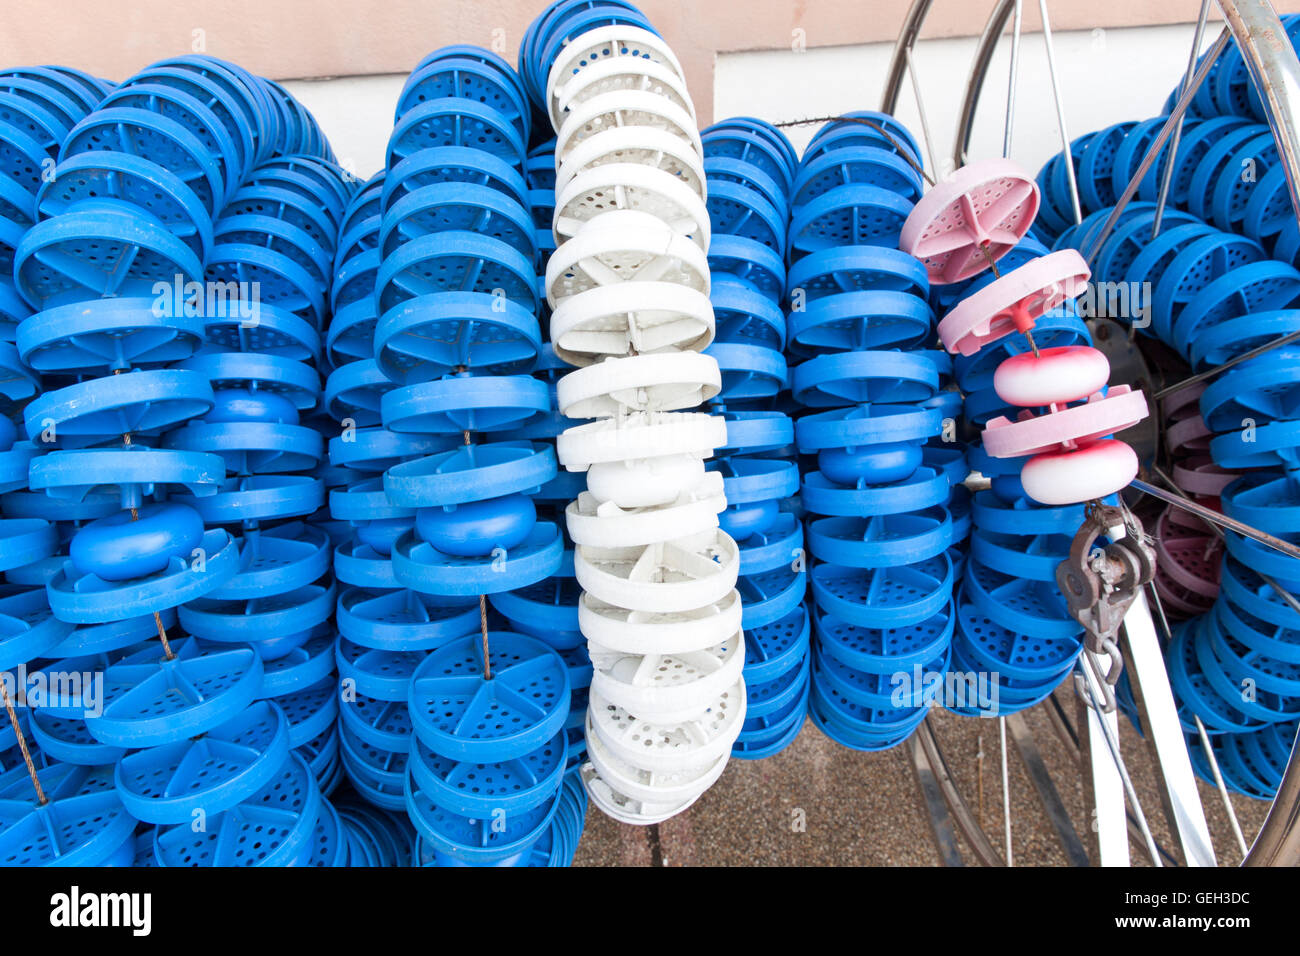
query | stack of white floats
[629, 289]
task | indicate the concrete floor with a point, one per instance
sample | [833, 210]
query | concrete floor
[863, 809]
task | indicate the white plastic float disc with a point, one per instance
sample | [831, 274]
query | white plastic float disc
[624, 108]
[642, 145]
[656, 788]
[606, 525]
[1020, 296]
[623, 808]
[1052, 377]
[676, 575]
[658, 632]
[615, 43]
[645, 317]
[630, 186]
[665, 688]
[640, 435]
[645, 482]
[691, 743]
[625, 246]
[625, 73]
[661, 382]
[1066, 478]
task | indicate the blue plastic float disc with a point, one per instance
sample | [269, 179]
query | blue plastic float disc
[1034, 657]
[259, 498]
[425, 337]
[458, 713]
[375, 773]
[1263, 559]
[80, 830]
[749, 147]
[1195, 265]
[455, 121]
[746, 260]
[1193, 689]
[924, 488]
[127, 545]
[14, 464]
[1024, 607]
[884, 597]
[365, 501]
[748, 371]
[881, 540]
[773, 699]
[917, 686]
[381, 674]
[470, 473]
[864, 377]
[1023, 516]
[102, 248]
[866, 165]
[737, 209]
[384, 725]
[1263, 389]
[770, 595]
[779, 545]
[420, 566]
[281, 280]
[857, 269]
[1264, 501]
[1033, 557]
[109, 333]
[312, 713]
[465, 402]
[134, 180]
[1264, 704]
[356, 564]
[28, 630]
[744, 314]
[477, 841]
[275, 561]
[738, 172]
[354, 392]
[115, 636]
[947, 459]
[253, 447]
[1130, 237]
[885, 649]
[1270, 444]
[466, 207]
[753, 432]
[1257, 287]
[24, 540]
[144, 402]
[86, 598]
[547, 610]
[452, 164]
[867, 425]
[850, 215]
[774, 649]
[483, 789]
[68, 740]
[768, 736]
[258, 618]
[1246, 590]
[152, 701]
[861, 728]
[271, 828]
[212, 773]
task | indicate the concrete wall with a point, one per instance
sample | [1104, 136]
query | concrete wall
[334, 38]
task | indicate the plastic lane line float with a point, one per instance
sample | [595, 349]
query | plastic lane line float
[628, 286]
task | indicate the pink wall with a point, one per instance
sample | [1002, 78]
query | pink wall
[312, 38]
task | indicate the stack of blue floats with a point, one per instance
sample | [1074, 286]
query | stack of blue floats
[1221, 280]
[750, 167]
[879, 527]
[474, 718]
[170, 417]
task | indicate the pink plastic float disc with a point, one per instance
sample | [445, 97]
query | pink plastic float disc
[1191, 560]
[1199, 475]
[1014, 302]
[1188, 436]
[1052, 377]
[1065, 429]
[1182, 401]
[1071, 477]
[984, 207]
[1178, 602]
